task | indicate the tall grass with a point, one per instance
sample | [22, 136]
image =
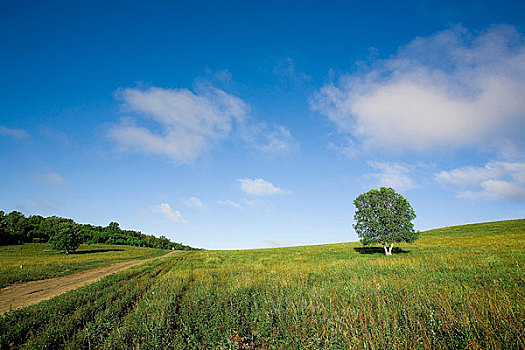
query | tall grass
[35, 261]
[82, 318]
[456, 288]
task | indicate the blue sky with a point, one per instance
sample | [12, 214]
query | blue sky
[248, 124]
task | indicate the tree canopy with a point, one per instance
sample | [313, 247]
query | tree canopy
[15, 228]
[384, 217]
[66, 237]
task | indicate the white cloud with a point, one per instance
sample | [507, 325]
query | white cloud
[501, 189]
[185, 124]
[182, 125]
[286, 69]
[516, 170]
[496, 180]
[171, 214]
[272, 140]
[42, 204]
[52, 179]
[469, 175]
[229, 203]
[251, 203]
[259, 187]
[392, 175]
[47, 205]
[344, 145]
[194, 202]
[496, 189]
[452, 90]
[277, 244]
[244, 204]
[223, 76]
[17, 134]
[56, 136]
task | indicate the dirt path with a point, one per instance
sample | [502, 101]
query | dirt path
[29, 293]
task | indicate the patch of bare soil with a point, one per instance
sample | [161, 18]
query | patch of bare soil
[29, 293]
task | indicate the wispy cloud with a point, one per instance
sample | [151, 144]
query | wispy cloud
[470, 176]
[17, 134]
[277, 244]
[251, 202]
[452, 90]
[220, 76]
[182, 124]
[259, 187]
[229, 203]
[242, 204]
[286, 69]
[343, 145]
[52, 179]
[269, 139]
[185, 123]
[194, 202]
[166, 210]
[495, 180]
[47, 205]
[55, 135]
[496, 189]
[393, 175]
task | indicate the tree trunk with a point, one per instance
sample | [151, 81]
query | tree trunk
[388, 250]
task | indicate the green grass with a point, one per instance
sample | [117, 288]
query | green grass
[455, 288]
[38, 261]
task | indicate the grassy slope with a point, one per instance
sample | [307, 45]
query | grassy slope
[40, 262]
[456, 287]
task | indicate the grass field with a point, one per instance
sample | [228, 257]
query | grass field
[455, 288]
[38, 261]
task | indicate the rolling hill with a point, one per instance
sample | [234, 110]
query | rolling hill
[456, 287]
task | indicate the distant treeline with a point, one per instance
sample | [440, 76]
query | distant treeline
[15, 228]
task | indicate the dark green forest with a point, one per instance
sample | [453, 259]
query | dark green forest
[15, 228]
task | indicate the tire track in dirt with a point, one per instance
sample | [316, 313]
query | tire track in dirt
[29, 293]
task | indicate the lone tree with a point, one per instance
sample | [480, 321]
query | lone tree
[66, 236]
[384, 216]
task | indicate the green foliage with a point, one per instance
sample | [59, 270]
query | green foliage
[15, 228]
[469, 293]
[3, 231]
[35, 234]
[66, 237]
[385, 217]
[163, 243]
